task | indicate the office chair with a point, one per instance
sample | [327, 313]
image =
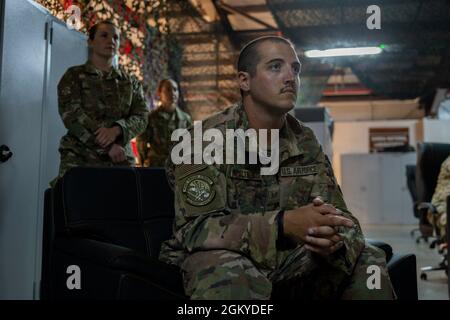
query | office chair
[109, 222]
[425, 230]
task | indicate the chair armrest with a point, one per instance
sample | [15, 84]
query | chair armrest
[403, 273]
[383, 246]
[122, 258]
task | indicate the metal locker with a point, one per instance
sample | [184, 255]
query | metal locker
[30, 68]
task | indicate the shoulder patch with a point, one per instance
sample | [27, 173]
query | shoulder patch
[198, 190]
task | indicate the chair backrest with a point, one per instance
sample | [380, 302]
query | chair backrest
[130, 207]
[411, 181]
[157, 201]
[429, 159]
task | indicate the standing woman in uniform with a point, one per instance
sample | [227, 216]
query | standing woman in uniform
[102, 107]
[154, 144]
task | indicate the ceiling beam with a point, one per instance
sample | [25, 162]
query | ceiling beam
[329, 4]
[256, 8]
[237, 10]
[226, 25]
[421, 34]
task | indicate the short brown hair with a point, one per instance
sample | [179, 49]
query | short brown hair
[93, 29]
[249, 57]
[162, 83]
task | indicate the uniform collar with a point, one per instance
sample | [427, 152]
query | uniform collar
[167, 115]
[92, 69]
[290, 144]
[290, 141]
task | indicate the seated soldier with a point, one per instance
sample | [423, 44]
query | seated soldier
[439, 200]
[239, 234]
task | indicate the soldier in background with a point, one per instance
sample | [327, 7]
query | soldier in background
[102, 107]
[154, 143]
[439, 199]
[242, 235]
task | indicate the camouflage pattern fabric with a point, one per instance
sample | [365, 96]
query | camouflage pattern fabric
[154, 143]
[90, 99]
[225, 230]
[223, 274]
[439, 199]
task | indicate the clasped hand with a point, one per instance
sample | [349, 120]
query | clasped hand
[117, 153]
[106, 136]
[315, 225]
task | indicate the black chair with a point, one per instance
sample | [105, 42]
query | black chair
[412, 188]
[429, 159]
[110, 222]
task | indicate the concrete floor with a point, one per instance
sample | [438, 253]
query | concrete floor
[435, 288]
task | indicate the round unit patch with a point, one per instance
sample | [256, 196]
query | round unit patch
[198, 190]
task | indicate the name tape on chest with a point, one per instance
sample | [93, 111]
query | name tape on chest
[284, 172]
[298, 171]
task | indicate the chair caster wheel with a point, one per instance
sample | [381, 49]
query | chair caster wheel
[423, 276]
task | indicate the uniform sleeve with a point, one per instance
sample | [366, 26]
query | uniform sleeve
[77, 122]
[204, 222]
[137, 120]
[353, 238]
[442, 188]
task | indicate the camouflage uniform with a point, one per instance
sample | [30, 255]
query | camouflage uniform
[161, 124]
[89, 99]
[439, 199]
[226, 235]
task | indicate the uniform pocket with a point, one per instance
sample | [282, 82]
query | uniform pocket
[248, 195]
[92, 95]
[125, 96]
[296, 191]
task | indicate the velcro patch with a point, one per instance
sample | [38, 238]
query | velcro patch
[298, 171]
[185, 170]
[198, 190]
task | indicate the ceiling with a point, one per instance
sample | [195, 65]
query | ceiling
[415, 35]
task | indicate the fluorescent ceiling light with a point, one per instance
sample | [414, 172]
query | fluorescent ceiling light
[339, 52]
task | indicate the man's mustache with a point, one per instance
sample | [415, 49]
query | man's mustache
[290, 88]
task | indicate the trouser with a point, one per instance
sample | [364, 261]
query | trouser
[439, 220]
[222, 274]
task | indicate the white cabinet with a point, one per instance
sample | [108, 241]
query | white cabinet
[35, 50]
[375, 189]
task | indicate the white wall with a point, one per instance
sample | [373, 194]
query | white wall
[353, 137]
[435, 130]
